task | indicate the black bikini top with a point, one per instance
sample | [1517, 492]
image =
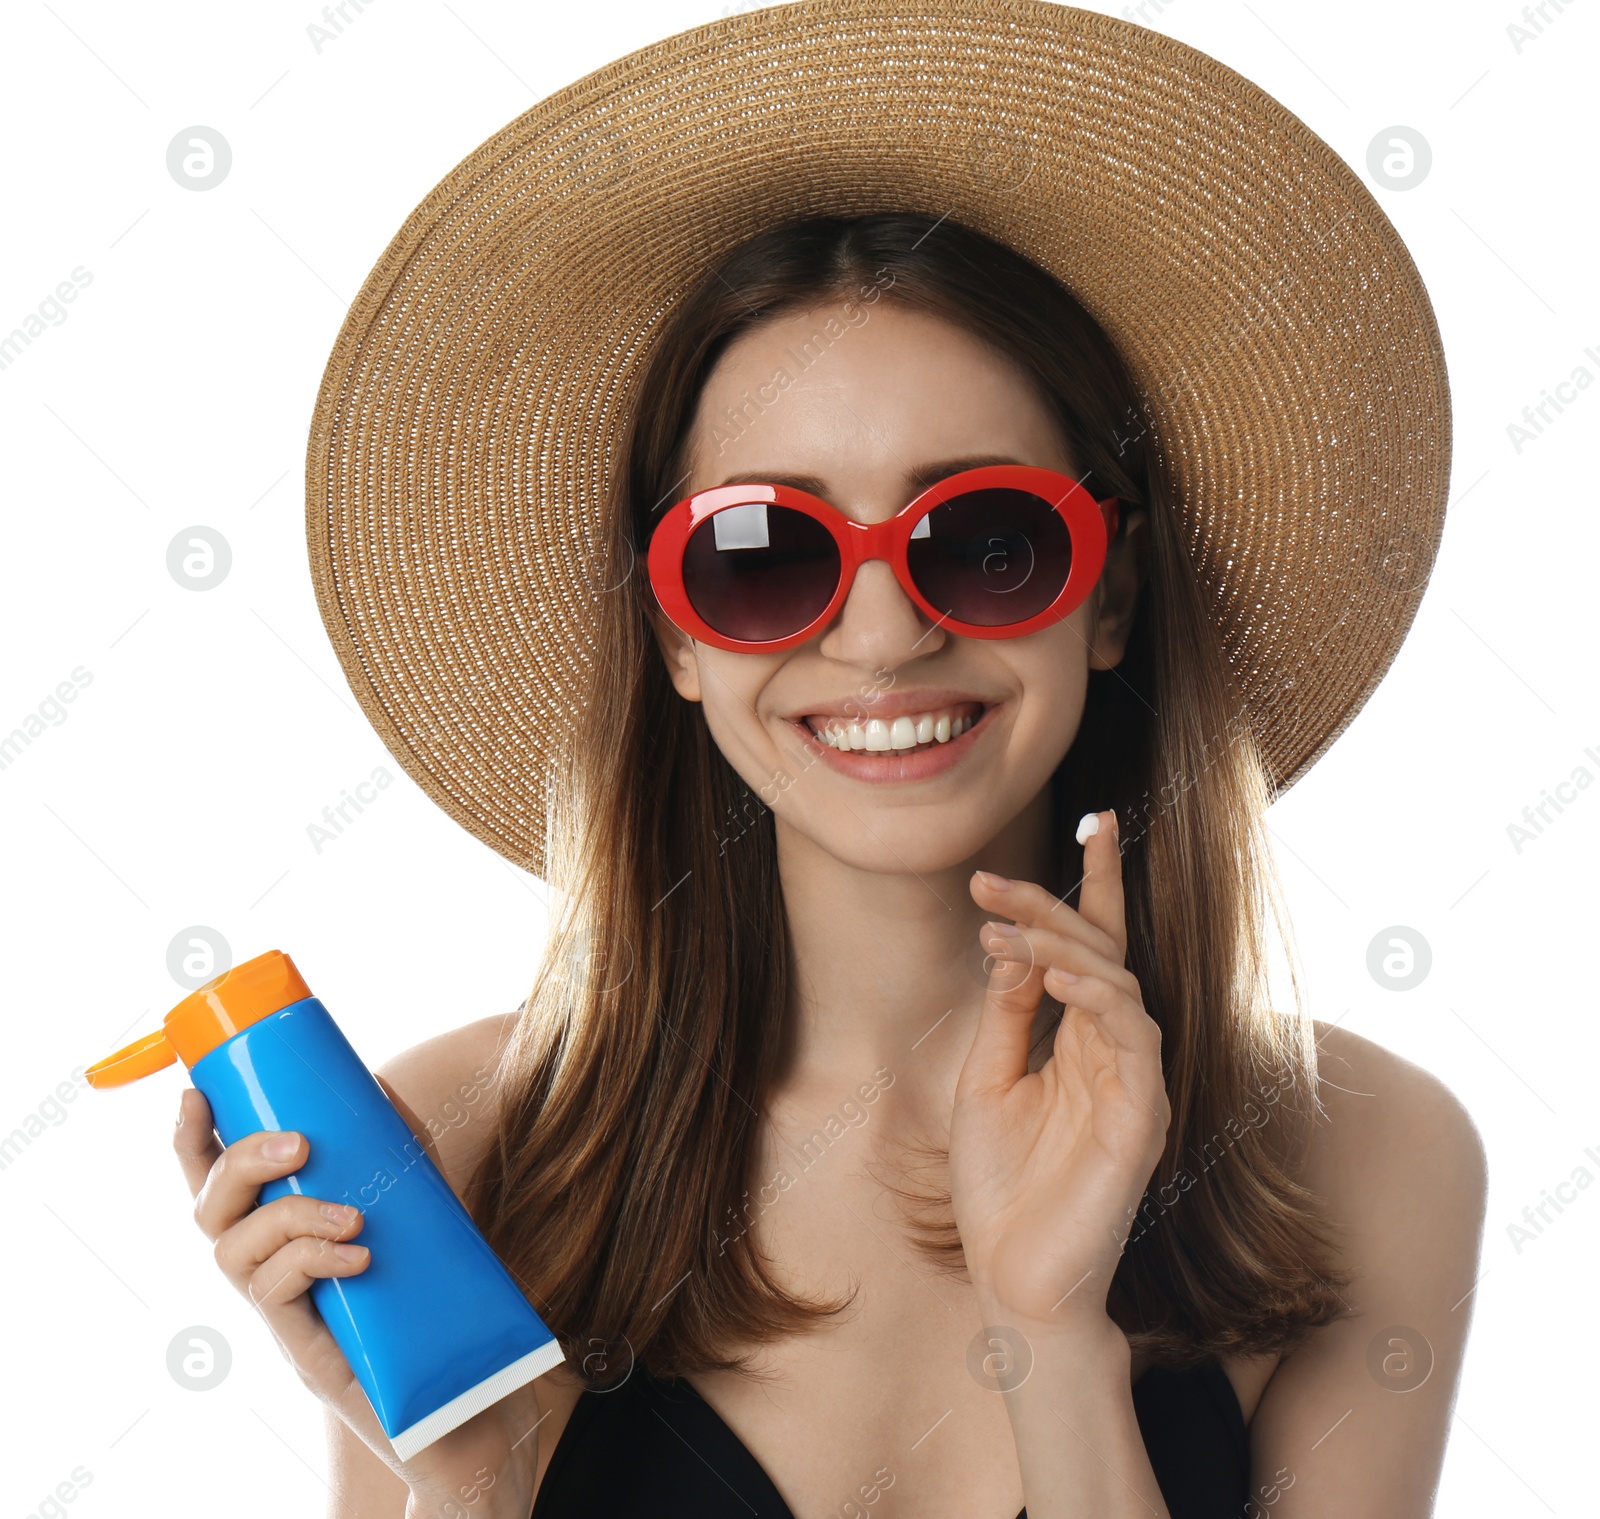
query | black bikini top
[655, 1449]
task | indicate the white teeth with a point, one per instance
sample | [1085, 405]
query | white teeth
[885, 735]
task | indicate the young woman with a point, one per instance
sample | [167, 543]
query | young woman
[913, 1140]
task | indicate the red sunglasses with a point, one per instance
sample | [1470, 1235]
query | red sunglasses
[994, 552]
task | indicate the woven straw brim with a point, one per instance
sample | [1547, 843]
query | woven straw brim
[467, 421]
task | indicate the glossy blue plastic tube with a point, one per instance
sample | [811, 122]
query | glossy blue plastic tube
[435, 1329]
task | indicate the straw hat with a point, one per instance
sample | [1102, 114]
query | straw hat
[1270, 315]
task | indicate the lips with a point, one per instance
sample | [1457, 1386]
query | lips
[921, 761]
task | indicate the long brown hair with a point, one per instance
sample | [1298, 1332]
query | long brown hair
[641, 1060]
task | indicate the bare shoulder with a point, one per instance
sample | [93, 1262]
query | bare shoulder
[1390, 1131]
[1397, 1168]
[448, 1089]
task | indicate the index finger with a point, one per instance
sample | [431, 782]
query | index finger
[1100, 901]
[194, 1140]
[1036, 906]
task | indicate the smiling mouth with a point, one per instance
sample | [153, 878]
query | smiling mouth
[909, 733]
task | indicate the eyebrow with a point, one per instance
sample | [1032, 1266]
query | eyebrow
[924, 475]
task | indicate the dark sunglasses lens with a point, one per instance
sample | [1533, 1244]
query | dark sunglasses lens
[991, 557]
[760, 572]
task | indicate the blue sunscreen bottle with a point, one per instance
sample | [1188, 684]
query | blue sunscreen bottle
[435, 1329]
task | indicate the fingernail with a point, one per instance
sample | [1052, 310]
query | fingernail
[350, 1252]
[1088, 826]
[992, 881]
[1116, 831]
[337, 1213]
[1010, 930]
[281, 1147]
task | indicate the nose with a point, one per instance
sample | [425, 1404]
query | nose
[879, 627]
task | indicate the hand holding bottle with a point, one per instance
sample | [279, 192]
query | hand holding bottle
[423, 1340]
[272, 1252]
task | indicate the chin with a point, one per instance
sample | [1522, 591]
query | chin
[898, 841]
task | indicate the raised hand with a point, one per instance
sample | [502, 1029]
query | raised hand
[1047, 1167]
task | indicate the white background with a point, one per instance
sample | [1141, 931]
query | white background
[177, 791]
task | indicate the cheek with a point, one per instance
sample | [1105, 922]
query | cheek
[1053, 674]
[730, 690]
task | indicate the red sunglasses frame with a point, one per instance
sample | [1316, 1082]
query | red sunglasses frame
[1091, 525]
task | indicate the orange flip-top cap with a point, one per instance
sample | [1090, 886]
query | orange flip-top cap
[207, 1017]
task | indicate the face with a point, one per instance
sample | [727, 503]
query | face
[894, 403]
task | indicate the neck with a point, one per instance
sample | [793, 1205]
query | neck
[887, 970]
